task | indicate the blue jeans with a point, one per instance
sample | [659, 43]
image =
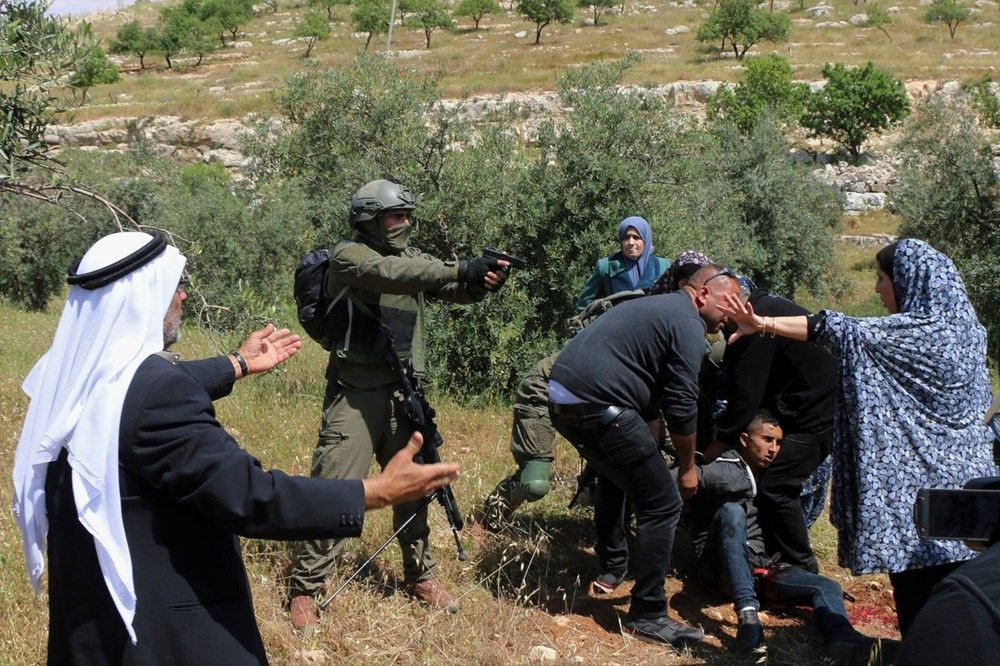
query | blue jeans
[725, 555]
[793, 586]
[625, 453]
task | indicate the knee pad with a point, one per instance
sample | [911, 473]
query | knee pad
[533, 481]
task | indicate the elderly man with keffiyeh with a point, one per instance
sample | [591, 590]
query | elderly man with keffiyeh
[125, 478]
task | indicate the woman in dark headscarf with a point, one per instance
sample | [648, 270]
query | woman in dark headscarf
[683, 267]
[914, 387]
[633, 267]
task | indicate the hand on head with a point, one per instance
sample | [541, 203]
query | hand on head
[266, 348]
[403, 480]
[742, 314]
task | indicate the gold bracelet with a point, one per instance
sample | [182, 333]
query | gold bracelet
[773, 327]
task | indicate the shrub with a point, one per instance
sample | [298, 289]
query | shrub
[477, 9]
[742, 24]
[949, 12]
[766, 87]
[984, 100]
[949, 195]
[92, 69]
[543, 12]
[556, 203]
[854, 104]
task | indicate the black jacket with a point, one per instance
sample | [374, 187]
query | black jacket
[187, 491]
[960, 623]
[725, 479]
[796, 381]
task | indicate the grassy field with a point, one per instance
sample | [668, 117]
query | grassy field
[524, 588]
[236, 81]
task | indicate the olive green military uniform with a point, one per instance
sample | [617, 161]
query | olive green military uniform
[362, 409]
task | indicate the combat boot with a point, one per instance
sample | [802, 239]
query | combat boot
[303, 614]
[434, 594]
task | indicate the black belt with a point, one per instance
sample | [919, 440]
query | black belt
[608, 413]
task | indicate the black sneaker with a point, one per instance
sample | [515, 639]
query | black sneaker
[750, 635]
[606, 583]
[662, 630]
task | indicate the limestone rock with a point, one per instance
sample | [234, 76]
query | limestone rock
[241, 45]
[521, 34]
[832, 25]
[677, 30]
[858, 20]
[542, 653]
[819, 10]
[892, 11]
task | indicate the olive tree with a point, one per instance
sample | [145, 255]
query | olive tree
[742, 25]
[543, 12]
[372, 17]
[477, 9]
[597, 6]
[855, 103]
[429, 15]
[949, 12]
[133, 39]
[949, 195]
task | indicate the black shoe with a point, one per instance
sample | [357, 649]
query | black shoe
[606, 583]
[750, 635]
[856, 649]
[662, 630]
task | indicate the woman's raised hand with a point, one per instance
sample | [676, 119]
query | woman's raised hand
[742, 314]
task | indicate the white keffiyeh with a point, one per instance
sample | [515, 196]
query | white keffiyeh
[76, 391]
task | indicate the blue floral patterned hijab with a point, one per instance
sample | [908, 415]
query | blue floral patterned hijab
[636, 266]
[914, 389]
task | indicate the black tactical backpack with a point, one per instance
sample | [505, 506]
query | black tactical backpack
[310, 275]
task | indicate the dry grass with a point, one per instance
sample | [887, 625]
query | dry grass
[524, 588]
[494, 60]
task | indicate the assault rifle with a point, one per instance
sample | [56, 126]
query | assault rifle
[421, 416]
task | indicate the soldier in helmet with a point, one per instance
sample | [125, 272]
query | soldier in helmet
[376, 282]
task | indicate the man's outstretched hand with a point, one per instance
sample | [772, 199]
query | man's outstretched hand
[403, 480]
[266, 348]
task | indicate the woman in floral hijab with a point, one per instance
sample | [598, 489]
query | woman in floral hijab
[914, 387]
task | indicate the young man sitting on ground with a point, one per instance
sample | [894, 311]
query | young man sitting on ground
[730, 548]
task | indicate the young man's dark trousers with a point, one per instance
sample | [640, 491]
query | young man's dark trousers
[778, 498]
[623, 450]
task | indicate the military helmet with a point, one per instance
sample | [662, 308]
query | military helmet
[377, 197]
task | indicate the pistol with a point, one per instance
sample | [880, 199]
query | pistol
[515, 262]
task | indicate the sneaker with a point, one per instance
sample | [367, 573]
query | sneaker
[750, 635]
[434, 594]
[303, 614]
[606, 583]
[662, 630]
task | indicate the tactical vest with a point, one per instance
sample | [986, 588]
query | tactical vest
[356, 320]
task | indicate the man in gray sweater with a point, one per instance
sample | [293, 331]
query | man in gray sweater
[606, 393]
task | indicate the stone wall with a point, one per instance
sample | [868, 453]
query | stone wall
[865, 186]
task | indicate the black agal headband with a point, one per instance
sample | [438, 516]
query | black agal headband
[108, 274]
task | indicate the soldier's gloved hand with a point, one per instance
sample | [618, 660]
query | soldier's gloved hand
[475, 271]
